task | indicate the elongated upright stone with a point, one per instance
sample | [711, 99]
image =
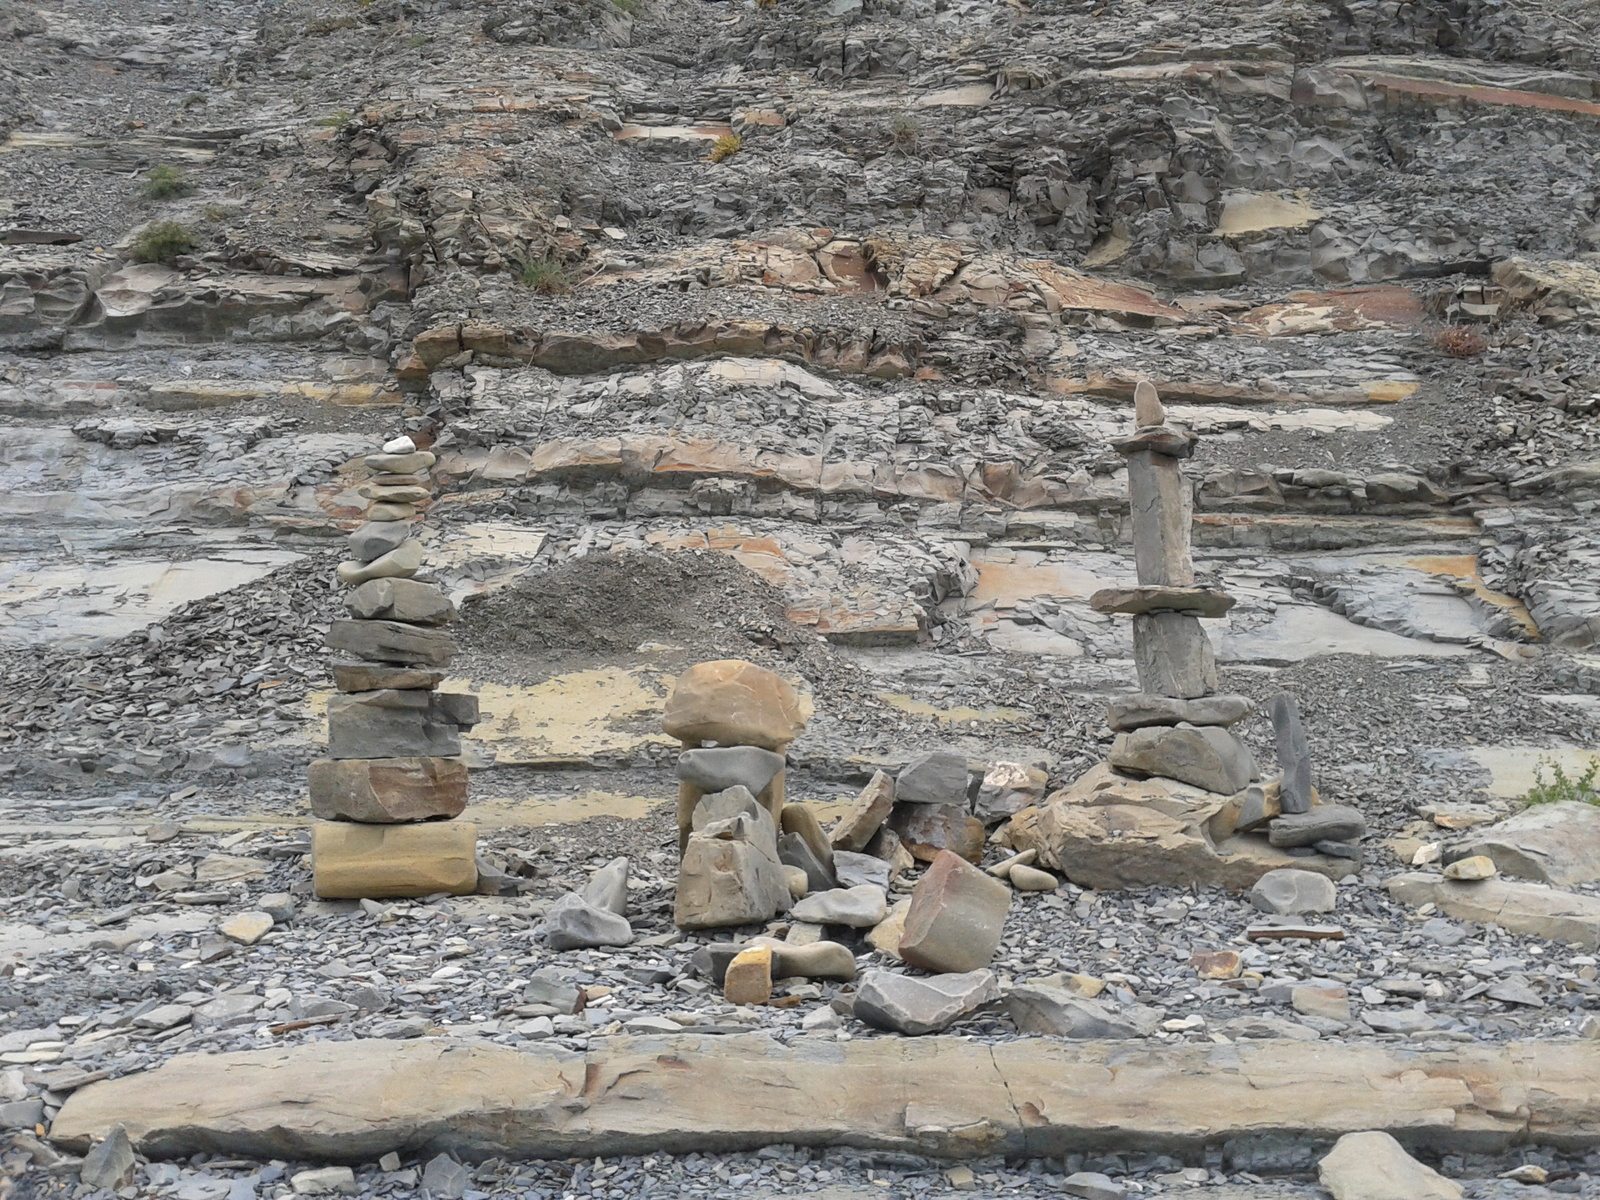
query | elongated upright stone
[1294, 756]
[1160, 508]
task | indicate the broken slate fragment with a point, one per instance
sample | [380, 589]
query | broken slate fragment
[717, 768]
[902, 1004]
[865, 815]
[956, 918]
[938, 777]
[573, 923]
[1323, 823]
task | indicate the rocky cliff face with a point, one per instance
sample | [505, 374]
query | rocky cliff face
[855, 293]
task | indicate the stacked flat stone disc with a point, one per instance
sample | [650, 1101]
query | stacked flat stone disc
[1177, 726]
[389, 792]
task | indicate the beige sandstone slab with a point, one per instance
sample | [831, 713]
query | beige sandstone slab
[1030, 1097]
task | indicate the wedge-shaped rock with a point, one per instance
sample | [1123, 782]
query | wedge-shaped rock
[1006, 790]
[1204, 756]
[608, 887]
[1549, 843]
[1373, 1166]
[1041, 1008]
[865, 815]
[400, 600]
[795, 851]
[903, 1004]
[956, 918]
[377, 862]
[1142, 709]
[404, 561]
[1135, 601]
[373, 539]
[393, 642]
[387, 791]
[573, 923]
[1173, 655]
[733, 703]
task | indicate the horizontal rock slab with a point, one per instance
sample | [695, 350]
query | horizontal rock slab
[1549, 843]
[386, 791]
[1135, 601]
[376, 862]
[1204, 756]
[392, 642]
[1143, 708]
[1520, 907]
[370, 677]
[1033, 1097]
[1106, 831]
[401, 600]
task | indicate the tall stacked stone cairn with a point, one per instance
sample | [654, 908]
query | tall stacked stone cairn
[387, 796]
[1178, 800]
[1176, 726]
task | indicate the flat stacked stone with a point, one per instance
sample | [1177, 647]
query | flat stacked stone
[1177, 726]
[393, 737]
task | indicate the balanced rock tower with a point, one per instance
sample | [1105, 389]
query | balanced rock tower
[1177, 726]
[389, 792]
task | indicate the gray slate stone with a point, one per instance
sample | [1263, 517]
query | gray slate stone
[22, 1114]
[1288, 891]
[396, 724]
[854, 869]
[1092, 1185]
[1160, 504]
[109, 1164]
[718, 768]
[392, 641]
[903, 1004]
[375, 538]
[858, 907]
[1173, 656]
[445, 1179]
[1043, 1008]
[400, 600]
[608, 887]
[1323, 823]
[1294, 756]
[573, 923]
[795, 851]
[547, 987]
[1144, 708]
[938, 777]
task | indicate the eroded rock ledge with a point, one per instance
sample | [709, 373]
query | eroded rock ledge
[1029, 1097]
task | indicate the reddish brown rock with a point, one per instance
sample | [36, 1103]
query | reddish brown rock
[387, 791]
[956, 918]
[927, 830]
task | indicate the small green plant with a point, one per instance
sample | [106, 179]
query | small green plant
[215, 213]
[905, 131]
[417, 41]
[725, 147]
[544, 275]
[162, 182]
[162, 242]
[335, 119]
[1561, 786]
[193, 100]
[632, 7]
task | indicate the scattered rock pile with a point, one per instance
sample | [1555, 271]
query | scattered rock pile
[387, 795]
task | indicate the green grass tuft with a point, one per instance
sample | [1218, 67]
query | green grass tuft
[164, 183]
[162, 242]
[1584, 788]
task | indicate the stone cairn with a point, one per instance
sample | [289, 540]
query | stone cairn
[389, 792]
[1177, 726]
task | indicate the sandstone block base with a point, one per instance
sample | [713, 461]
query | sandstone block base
[377, 862]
